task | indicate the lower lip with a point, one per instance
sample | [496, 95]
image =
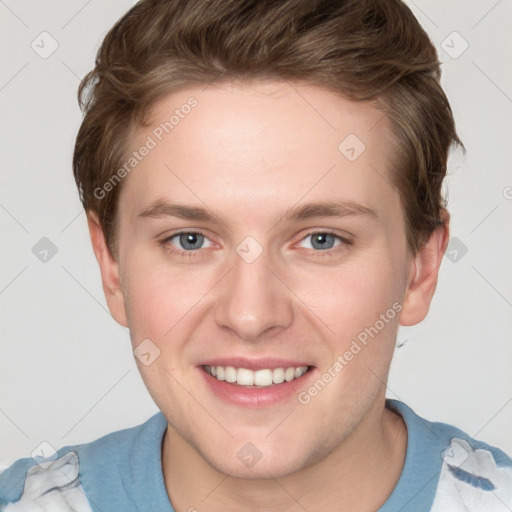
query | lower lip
[255, 397]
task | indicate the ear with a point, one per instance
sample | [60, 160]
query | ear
[423, 275]
[109, 269]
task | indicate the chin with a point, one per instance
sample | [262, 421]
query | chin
[277, 465]
[259, 459]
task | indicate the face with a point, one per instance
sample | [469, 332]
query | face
[261, 242]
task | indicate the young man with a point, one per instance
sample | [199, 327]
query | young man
[262, 185]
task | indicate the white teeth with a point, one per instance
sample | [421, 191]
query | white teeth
[230, 374]
[289, 374]
[245, 377]
[278, 375]
[262, 378]
[300, 371]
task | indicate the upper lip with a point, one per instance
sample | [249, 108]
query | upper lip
[254, 364]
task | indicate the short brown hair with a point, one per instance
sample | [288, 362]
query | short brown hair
[364, 50]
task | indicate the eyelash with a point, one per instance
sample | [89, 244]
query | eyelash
[327, 252]
[189, 254]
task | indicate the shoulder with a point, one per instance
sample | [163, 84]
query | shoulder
[74, 472]
[469, 474]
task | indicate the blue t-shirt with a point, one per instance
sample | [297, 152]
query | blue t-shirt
[444, 470]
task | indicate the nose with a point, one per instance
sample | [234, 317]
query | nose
[252, 300]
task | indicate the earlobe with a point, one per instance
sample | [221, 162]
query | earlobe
[423, 275]
[109, 269]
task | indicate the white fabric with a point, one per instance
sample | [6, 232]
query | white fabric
[53, 488]
[465, 474]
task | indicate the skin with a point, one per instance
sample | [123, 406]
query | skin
[248, 152]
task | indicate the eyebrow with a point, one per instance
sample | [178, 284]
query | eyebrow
[162, 208]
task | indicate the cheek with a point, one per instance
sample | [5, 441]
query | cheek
[160, 300]
[361, 304]
[351, 297]
[159, 296]
[362, 308]
[165, 304]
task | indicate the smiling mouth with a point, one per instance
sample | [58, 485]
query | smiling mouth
[255, 379]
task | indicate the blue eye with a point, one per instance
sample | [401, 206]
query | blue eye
[188, 241]
[323, 241]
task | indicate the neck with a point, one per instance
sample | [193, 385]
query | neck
[359, 474]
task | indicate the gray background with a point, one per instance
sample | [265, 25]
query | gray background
[67, 373]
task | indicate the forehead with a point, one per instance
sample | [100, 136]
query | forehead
[254, 143]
